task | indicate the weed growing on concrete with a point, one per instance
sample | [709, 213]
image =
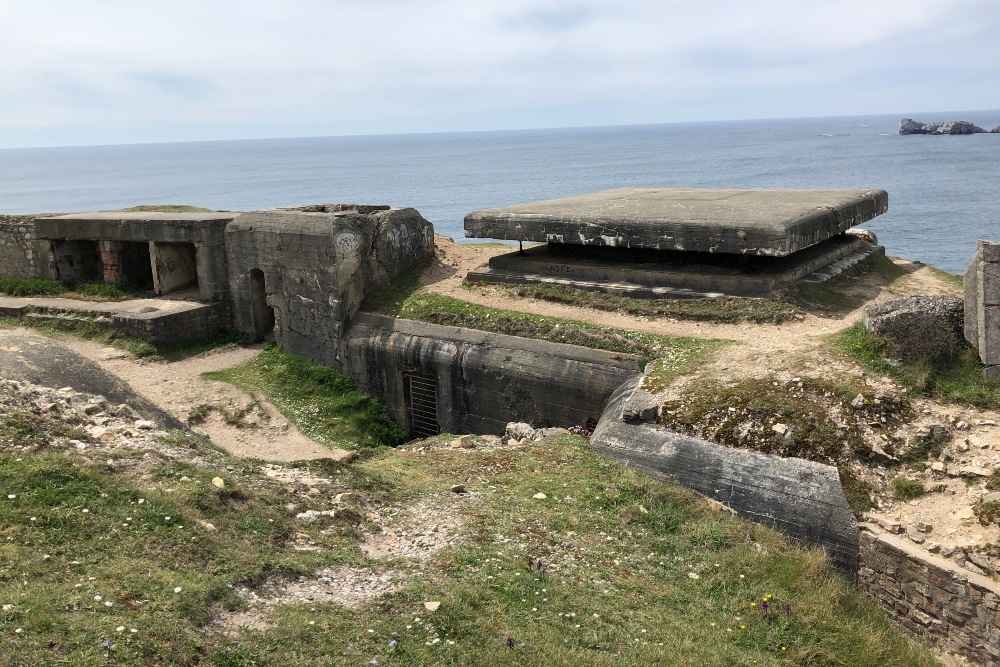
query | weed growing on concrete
[89, 291]
[808, 418]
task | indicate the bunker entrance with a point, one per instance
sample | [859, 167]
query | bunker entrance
[175, 267]
[77, 261]
[420, 394]
[135, 265]
[263, 312]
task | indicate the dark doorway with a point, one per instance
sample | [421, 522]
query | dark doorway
[263, 313]
[136, 268]
[77, 261]
[420, 394]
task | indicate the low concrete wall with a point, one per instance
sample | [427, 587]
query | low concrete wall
[982, 306]
[800, 498]
[17, 246]
[484, 380]
[943, 604]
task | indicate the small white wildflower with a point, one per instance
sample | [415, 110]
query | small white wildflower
[120, 628]
[109, 604]
[97, 597]
[178, 589]
[11, 496]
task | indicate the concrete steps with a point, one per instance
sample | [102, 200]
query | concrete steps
[837, 267]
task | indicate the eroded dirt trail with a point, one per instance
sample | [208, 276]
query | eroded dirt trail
[177, 387]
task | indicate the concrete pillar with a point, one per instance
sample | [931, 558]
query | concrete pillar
[982, 306]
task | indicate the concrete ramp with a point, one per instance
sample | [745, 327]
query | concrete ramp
[800, 498]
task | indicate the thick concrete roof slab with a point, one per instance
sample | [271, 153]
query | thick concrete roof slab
[135, 226]
[739, 221]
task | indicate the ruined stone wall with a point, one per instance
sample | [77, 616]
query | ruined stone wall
[933, 597]
[313, 266]
[17, 246]
[982, 306]
[483, 380]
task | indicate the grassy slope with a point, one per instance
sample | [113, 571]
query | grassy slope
[619, 553]
[323, 404]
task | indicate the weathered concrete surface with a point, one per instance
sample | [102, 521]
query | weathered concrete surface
[919, 327]
[982, 306]
[747, 222]
[63, 242]
[673, 276]
[17, 246]
[152, 320]
[800, 498]
[952, 608]
[484, 380]
[44, 362]
[313, 266]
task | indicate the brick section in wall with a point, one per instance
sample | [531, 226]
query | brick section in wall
[952, 608]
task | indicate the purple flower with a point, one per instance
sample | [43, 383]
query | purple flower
[108, 645]
[788, 609]
[216, 622]
[531, 561]
[373, 662]
[392, 644]
[764, 605]
[510, 642]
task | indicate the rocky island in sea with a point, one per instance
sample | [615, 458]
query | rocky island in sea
[910, 126]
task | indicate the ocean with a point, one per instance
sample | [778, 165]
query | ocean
[943, 190]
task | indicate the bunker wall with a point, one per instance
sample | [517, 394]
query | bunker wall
[481, 380]
[802, 499]
[312, 269]
[17, 246]
[982, 306]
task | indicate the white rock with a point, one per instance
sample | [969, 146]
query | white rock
[539, 496]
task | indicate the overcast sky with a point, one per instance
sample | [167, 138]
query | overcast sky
[126, 71]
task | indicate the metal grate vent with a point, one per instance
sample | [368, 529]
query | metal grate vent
[421, 398]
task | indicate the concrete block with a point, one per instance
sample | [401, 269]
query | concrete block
[747, 222]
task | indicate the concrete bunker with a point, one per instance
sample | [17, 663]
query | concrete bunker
[685, 242]
[164, 253]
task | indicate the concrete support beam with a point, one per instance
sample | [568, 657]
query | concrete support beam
[982, 306]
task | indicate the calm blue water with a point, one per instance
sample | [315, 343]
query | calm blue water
[943, 191]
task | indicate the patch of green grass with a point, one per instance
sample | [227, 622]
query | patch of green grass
[612, 568]
[322, 403]
[954, 279]
[439, 309]
[720, 309]
[856, 490]
[811, 419]
[929, 446]
[993, 481]
[90, 291]
[906, 489]
[165, 208]
[958, 379]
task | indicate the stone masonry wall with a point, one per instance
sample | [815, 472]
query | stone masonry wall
[943, 604]
[982, 306]
[17, 246]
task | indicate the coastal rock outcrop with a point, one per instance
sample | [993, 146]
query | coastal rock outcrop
[910, 126]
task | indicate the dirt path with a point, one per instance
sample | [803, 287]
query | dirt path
[177, 387]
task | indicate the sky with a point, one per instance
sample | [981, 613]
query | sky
[84, 72]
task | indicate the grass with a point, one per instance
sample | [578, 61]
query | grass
[405, 299]
[612, 568]
[953, 279]
[906, 489]
[90, 291]
[139, 348]
[830, 296]
[958, 379]
[323, 404]
[721, 309]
